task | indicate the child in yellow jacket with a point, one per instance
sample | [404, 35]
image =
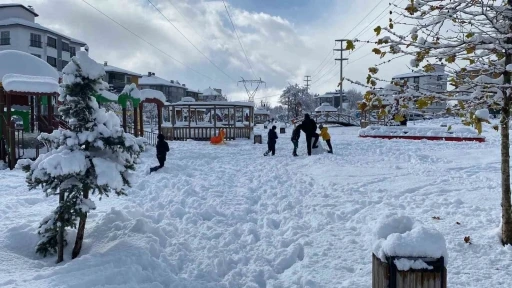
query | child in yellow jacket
[326, 137]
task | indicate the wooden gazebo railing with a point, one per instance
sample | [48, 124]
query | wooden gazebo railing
[203, 131]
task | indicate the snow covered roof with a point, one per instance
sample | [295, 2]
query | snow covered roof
[34, 84]
[23, 22]
[108, 95]
[110, 68]
[328, 95]
[19, 5]
[325, 107]
[152, 94]
[210, 92]
[188, 99]
[418, 74]
[21, 63]
[155, 80]
[260, 111]
[220, 104]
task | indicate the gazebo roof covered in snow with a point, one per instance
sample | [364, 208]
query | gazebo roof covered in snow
[326, 107]
[25, 73]
[21, 63]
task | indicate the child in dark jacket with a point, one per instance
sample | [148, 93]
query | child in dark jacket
[161, 152]
[295, 138]
[272, 139]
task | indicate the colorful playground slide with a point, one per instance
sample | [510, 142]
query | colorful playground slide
[219, 139]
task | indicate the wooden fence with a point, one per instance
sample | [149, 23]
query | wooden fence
[204, 133]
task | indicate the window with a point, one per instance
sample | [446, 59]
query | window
[440, 87]
[72, 51]
[5, 38]
[52, 61]
[439, 78]
[64, 63]
[35, 40]
[65, 46]
[37, 55]
[52, 42]
[416, 80]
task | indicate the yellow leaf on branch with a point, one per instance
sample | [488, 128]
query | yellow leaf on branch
[377, 30]
[376, 51]
[399, 118]
[350, 45]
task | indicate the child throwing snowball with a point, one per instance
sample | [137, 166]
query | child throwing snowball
[295, 139]
[326, 137]
[272, 140]
[161, 153]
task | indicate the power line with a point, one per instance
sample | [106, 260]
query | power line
[218, 68]
[326, 56]
[237, 37]
[147, 42]
[373, 9]
[327, 72]
[185, 19]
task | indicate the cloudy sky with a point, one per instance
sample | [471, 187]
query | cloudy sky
[284, 39]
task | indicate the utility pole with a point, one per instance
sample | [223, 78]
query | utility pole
[341, 59]
[307, 80]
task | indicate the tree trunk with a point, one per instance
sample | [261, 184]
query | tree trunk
[60, 236]
[81, 231]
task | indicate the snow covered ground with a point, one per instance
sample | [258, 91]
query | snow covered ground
[225, 216]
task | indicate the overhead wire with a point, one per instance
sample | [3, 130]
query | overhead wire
[238, 37]
[168, 20]
[149, 43]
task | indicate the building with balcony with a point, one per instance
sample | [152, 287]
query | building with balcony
[427, 83]
[117, 78]
[19, 31]
[173, 90]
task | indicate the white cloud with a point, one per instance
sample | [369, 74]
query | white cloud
[280, 51]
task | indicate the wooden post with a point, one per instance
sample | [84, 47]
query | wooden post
[135, 121]
[385, 274]
[195, 117]
[141, 119]
[189, 128]
[173, 116]
[2, 116]
[49, 106]
[125, 120]
[159, 118]
[12, 144]
[32, 120]
[214, 120]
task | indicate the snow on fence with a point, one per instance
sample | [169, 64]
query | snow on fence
[408, 255]
[204, 133]
[421, 133]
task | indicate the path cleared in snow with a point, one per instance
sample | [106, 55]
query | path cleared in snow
[225, 216]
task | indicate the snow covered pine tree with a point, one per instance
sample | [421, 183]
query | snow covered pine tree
[94, 156]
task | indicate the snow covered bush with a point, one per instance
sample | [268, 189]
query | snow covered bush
[94, 157]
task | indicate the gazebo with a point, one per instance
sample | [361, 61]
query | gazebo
[26, 80]
[182, 115]
[234, 117]
[325, 108]
[261, 116]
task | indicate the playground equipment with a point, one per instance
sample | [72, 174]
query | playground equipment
[25, 80]
[219, 139]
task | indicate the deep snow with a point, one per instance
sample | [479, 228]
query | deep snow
[225, 216]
